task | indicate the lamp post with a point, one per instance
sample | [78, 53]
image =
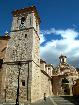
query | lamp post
[17, 98]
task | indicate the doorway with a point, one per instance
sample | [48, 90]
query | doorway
[65, 86]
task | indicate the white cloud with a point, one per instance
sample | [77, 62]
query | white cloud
[42, 38]
[68, 45]
[66, 34]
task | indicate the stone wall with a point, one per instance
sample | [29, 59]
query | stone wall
[36, 73]
[3, 44]
[46, 83]
[19, 49]
[24, 46]
[59, 88]
[1, 74]
[19, 46]
[56, 84]
[36, 83]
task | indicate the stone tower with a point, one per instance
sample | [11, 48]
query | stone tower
[23, 46]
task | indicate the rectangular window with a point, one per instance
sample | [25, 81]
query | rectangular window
[1, 62]
[23, 82]
[30, 20]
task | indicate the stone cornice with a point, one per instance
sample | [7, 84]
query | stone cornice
[27, 29]
[22, 62]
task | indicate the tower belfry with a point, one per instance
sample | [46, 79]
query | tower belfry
[63, 59]
[23, 46]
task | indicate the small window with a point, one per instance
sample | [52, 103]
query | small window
[63, 60]
[23, 20]
[48, 68]
[23, 82]
[1, 62]
[25, 35]
[30, 20]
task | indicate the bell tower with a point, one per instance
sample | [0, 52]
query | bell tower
[23, 47]
[26, 18]
[63, 59]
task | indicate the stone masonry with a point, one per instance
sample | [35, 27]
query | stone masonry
[24, 46]
[63, 77]
[20, 63]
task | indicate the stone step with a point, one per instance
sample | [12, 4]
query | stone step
[64, 100]
[64, 103]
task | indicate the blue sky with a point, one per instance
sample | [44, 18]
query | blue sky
[59, 26]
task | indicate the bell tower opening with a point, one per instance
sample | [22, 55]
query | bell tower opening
[26, 18]
[23, 20]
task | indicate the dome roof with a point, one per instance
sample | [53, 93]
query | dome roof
[66, 69]
[62, 56]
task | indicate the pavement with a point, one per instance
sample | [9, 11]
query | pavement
[54, 100]
[66, 100]
[43, 102]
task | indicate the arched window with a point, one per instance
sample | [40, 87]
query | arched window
[23, 20]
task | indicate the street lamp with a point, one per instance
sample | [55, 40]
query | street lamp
[17, 98]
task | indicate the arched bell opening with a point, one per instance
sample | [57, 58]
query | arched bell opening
[23, 20]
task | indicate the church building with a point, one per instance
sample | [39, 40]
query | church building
[64, 77]
[22, 73]
[24, 76]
